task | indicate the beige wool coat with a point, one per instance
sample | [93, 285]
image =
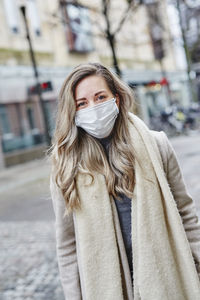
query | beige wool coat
[66, 238]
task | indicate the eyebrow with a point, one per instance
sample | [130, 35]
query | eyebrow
[99, 92]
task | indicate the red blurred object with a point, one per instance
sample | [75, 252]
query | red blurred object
[44, 85]
[152, 83]
[164, 81]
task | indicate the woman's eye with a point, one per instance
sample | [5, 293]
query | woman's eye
[80, 104]
[101, 97]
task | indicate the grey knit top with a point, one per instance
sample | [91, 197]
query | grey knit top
[123, 206]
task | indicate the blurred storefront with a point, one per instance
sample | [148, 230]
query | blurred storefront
[21, 120]
[153, 92]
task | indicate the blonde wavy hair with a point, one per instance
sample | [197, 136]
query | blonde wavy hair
[74, 150]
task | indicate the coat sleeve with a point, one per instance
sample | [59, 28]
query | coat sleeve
[65, 246]
[183, 200]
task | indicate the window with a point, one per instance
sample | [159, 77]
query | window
[31, 120]
[79, 29]
[33, 16]
[48, 105]
[12, 15]
[12, 10]
[4, 121]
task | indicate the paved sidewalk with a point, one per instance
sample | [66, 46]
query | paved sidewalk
[188, 151]
[22, 174]
[28, 265]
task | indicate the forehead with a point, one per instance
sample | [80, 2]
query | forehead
[90, 85]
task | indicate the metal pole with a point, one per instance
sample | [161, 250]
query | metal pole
[36, 75]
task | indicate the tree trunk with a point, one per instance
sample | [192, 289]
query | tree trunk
[110, 37]
[111, 40]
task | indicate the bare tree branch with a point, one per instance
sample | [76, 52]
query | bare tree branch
[130, 8]
[96, 23]
[110, 36]
[101, 29]
[59, 19]
[105, 7]
[90, 8]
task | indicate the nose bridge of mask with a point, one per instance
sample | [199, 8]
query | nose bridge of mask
[95, 107]
[95, 111]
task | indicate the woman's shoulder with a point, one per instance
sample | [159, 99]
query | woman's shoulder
[163, 142]
[163, 145]
[161, 138]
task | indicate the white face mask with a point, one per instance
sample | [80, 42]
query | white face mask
[98, 120]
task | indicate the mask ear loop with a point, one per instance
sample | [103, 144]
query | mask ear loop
[115, 100]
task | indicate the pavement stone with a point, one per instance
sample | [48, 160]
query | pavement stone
[28, 263]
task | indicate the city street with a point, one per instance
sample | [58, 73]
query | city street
[188, 152]
[28, 265]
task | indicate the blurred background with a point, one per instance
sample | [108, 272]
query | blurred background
[154, 46]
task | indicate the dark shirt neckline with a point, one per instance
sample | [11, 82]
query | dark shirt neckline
[105, 141]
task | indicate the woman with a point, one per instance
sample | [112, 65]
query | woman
[125, 226]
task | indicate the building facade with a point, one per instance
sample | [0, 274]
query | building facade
[67, 33]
